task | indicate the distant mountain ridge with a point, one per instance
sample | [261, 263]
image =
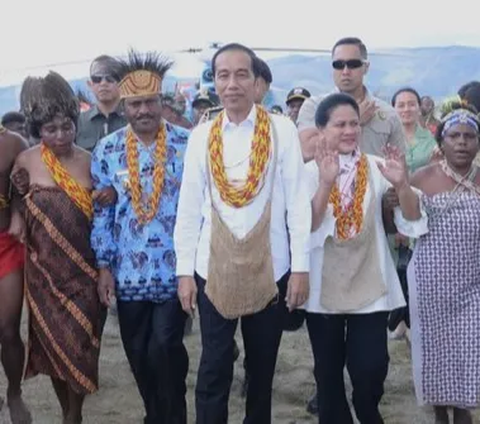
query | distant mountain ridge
[436, 71]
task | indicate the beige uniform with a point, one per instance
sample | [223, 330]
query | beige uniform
[384, 128]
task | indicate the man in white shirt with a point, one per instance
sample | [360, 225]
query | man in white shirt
[249, 163]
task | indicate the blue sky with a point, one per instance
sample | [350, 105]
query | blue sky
[45, 32]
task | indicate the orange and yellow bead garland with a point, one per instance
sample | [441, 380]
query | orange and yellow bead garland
[241, 196]
[144, 216]
[353, 215]
[81, 196]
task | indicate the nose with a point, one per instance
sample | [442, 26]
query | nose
[143, 109]
[232, 83]
[350, 129]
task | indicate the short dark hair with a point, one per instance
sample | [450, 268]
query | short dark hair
[265, 72]
[352, 41]
[239, 47]
[13, 117]
[472, 96]
[406, 90]
[110, 62]
[462, 91]
[329, 104]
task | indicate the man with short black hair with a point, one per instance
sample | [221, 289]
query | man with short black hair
[15, 122]
[380, 123]
[241, 201]
[265, 79]
[105, 117]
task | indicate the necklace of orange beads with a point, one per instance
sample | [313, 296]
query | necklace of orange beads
[147, 213]
[240, 196]
[353, 214]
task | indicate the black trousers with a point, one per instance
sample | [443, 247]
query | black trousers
[360, 342]
[152, 335]
[261, 333]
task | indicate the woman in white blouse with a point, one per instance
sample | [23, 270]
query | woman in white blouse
[353, 280]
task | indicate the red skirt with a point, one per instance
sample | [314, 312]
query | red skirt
[12, 254]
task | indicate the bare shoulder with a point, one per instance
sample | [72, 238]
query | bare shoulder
[27, 157]
[423, 176]
[13, 142]
[83, 156]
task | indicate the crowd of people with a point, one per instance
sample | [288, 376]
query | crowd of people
[356, 216]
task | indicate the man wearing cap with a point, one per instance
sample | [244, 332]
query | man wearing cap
[380, 123]
[133, 239]
[173, 110]
[204, 100]
[295, 99]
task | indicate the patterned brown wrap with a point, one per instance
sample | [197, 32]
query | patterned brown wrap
[65, 315]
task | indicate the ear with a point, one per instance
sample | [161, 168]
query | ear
[90, 84]
[366, 67]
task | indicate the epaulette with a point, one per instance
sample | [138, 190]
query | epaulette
[210, 114]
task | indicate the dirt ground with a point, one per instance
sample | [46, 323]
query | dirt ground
[118, 400]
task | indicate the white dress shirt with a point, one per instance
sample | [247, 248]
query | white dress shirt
[394, 298]
[290, 199]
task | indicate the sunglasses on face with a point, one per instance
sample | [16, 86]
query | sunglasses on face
[97, 79]
[339, 65]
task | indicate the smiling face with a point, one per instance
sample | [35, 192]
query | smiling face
[460, 145]
[407, 107]
[343, 130]
[235, 82]
[144, 113]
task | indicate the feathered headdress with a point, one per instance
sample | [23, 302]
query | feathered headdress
[142, 75]
[43, 98]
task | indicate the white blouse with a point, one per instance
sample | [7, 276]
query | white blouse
[394, 298]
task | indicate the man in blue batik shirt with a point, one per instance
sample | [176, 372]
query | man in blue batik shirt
[133, 239]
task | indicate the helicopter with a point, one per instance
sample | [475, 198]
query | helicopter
[192, 74]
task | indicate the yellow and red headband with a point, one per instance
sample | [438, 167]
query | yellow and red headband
[140, 83]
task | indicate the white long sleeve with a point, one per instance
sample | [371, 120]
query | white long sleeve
[290, 201]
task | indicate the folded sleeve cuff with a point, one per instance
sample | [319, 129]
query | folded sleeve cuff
[413, 229]
[301, 263]
[185, 268]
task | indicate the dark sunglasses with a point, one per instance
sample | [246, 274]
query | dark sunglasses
[97, 79]
[339, 65]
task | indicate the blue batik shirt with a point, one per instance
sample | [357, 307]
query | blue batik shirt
[140, 257]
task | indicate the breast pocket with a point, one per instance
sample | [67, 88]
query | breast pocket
[376, 136]
[122, 183]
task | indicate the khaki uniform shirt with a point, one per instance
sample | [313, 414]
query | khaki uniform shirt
[384, 128]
